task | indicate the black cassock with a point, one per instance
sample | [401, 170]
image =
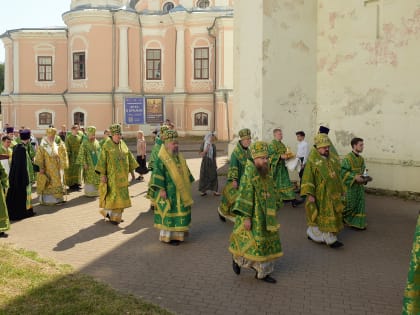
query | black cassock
[18, 180]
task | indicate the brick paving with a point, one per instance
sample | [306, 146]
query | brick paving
[366, 276]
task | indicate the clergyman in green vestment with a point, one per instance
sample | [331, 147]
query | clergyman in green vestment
[322, 185]
[411, 301]
[354, 176]
[4, 216]
[88, 158]
[240, 155]
[255, 241]
[115, 163]
[171, 181]
[278, 154]
[73, 174]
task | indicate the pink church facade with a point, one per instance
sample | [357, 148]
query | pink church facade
[133, 62]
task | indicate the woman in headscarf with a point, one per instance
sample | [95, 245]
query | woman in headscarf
[208, 170]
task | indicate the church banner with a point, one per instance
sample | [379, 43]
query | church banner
[134, 110]
[154, 110]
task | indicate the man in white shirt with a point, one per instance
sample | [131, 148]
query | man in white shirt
[302, 151]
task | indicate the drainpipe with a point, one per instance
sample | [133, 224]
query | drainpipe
[209, 30]
[63, 95]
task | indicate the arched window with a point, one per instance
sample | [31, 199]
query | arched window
[203, 4]
[201, 119]
[79, 118]
[45, 118]
[168, 6]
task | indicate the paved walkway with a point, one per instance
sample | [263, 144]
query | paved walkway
[366, 276]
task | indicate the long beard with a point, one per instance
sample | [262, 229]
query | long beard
[175, 152]
[262, 170]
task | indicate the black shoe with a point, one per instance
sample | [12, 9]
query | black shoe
[236, 268]
[268, 279]
[4, 235]
[336, 244]
[114, 222]
[222, 218]
[174, 242]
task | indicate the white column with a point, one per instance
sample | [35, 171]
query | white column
[123, 61]
[15, 67]
[180, 59]
[7, 70]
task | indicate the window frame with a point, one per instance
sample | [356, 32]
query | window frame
[77, 68]
[45, 66]
[166, 5]
[200, 60]
[202, 116]
[203, 4]
[82, 115]
[156, 69]
[48, 120]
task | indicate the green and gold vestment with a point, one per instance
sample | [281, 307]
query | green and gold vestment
[238, 160]
[88, 156]
[354, 212]
[171, 173]
[259, 201]
[321, 179]
[4, 216]
[279, 170]
[411, 301]
[73, 173]
[115, 162]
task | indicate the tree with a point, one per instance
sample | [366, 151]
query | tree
[1, 77]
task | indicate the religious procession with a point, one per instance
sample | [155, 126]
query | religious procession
[330, 189]
[257, 185]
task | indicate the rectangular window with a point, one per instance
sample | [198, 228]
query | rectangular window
[153, 61]
[201, 63]
[45, 118]
[79, 66]
[44, 68]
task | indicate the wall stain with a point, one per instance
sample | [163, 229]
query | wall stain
[301, 46]
[270, 7]
[384, 50]
[358, 103]
[344, 137]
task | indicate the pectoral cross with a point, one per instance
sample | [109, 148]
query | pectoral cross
[378, 4]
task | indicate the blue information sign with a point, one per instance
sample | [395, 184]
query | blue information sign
[134, 110]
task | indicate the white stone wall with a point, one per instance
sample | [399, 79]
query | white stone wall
[368, 68]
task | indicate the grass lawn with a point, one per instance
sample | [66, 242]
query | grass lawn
[32, 285]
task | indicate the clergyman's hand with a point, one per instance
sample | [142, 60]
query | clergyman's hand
[247, 224]
[311, 198]
[163, 194]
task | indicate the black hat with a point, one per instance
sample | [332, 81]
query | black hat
[25, 134]
[323, 129]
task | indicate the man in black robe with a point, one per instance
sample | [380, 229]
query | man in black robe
[18, 197]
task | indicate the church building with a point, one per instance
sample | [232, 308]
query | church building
[137, 63]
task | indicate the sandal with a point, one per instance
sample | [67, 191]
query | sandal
[216, 193]
[203, 194]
